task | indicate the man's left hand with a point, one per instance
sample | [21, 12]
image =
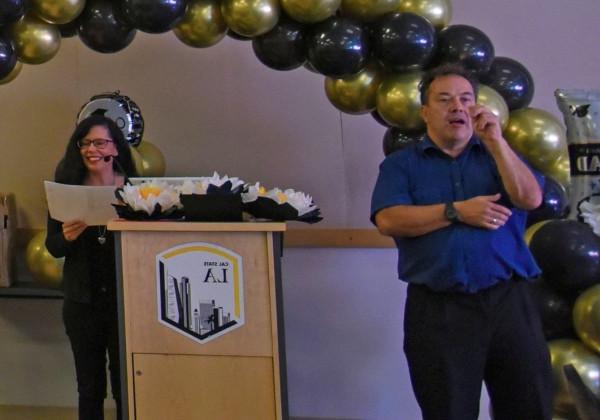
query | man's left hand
[486, 125]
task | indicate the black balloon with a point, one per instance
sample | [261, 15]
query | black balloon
[467, 45]
[568, 252]
[102, 29]
[11, 11]
[403, 41]
[68, 30]
[395, 139]
[555, 310]
[512, 80]
[282, 48]
[338, 47]
[154, 16]
[555, 203]
[8, 58]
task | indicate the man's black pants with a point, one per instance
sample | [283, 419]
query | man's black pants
[455, 341]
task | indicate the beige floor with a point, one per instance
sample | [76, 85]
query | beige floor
[44, 413]
[66, 413]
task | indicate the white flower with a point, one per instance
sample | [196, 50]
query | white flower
[253, 192]
[591, 215]
[302, 202]
[146, 195]
[218, 181]
[192, 187]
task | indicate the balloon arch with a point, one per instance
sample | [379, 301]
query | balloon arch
[372, 54]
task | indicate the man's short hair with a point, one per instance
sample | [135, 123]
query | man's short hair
[449, 69]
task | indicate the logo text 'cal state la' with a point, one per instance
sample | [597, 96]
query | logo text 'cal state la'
[200, 290]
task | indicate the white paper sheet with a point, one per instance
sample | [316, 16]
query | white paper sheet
[80, 202]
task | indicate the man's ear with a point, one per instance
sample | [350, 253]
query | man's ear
[424, 112]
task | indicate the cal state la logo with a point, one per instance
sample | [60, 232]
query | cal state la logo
[200, 290]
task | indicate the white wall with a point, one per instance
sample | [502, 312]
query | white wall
[220, 109]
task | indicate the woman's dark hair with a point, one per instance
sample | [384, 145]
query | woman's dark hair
[449, 69]
[71, 169]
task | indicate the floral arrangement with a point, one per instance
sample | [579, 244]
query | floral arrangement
[148, 201]
[276, 204]
[215, 198]
[589, 212]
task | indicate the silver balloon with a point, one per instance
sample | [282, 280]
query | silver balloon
[581, 112]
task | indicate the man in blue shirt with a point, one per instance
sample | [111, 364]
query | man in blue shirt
[455, 204]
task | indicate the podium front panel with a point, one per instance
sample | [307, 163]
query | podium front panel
[170, 374]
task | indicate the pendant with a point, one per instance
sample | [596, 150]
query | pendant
[101, 240]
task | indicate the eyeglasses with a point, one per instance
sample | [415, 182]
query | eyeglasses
[98, 143]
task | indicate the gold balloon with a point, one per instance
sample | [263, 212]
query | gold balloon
[587, 364]
[539, 137]
[57, 11]
[310, 11]
[495, 102]
[586, 317]
[44, 267]
[250, 18]
[438, 12]
[368, 10]
[35, 41]
[531, 230]
[355, 94]
[561, 171]
[398, 101]
[202, 25]
[148, 159]
[13, 73]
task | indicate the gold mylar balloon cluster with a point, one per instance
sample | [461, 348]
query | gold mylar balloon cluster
[35, 40]
[586, 363]
[46, 269]
[542, 140]
[202, 25]
[57, 11]
[148, 159]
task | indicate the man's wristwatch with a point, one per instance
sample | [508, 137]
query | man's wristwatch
[450, 213]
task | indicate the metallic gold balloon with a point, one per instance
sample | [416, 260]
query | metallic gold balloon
[561, 171]
[539, 137]
[531, 230]
[35, 41]
[44, 267]
[310, 11]
[355, 94]
[438, 12]
[13, 74]
[250, 18]
[202, 25]
[148, 159]
[398, 101]
[57, 11]
[368, 10]
[586, 317]
[587, 364]
[495, 102]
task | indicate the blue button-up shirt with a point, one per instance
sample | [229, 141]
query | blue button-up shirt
[457, 257]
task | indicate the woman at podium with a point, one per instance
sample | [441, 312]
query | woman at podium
[97, 154]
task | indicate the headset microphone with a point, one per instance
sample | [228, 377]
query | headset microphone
[115, 159]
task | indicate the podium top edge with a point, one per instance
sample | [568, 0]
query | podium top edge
[171, 226]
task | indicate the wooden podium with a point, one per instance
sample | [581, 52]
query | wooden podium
[184, 357]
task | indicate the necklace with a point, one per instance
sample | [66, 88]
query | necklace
[101, 235]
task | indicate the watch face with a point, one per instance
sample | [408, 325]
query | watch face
[450, 212]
